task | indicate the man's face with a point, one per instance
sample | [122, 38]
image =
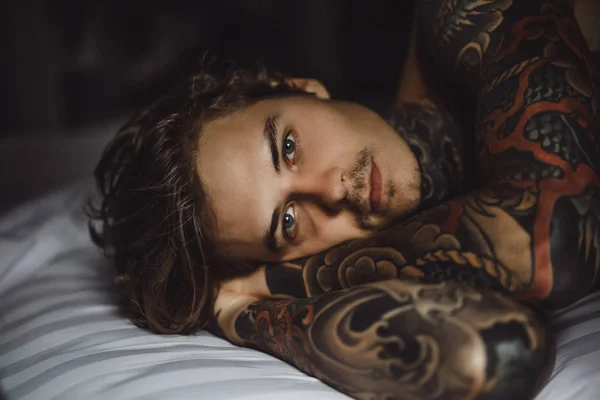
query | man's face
[293, 176]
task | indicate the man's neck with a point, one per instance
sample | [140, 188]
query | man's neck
[435, 140]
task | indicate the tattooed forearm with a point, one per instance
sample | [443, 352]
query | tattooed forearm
[468, 239]
[404, 340]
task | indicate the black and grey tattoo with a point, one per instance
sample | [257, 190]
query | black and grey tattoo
[436, 140]
[406, 340]
[530, 230]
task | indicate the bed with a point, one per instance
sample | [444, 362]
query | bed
[62, 335]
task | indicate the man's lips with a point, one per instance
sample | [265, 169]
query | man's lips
[375, 195]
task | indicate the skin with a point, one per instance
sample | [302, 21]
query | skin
[323, 183]
[531, 230]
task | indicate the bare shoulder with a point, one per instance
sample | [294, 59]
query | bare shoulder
[587, 14]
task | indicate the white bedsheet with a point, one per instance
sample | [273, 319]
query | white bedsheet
[62, 336]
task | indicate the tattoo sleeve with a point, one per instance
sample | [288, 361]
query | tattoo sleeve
[404, 340]
[532, 228]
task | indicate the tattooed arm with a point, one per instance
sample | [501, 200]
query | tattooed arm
[532, 229]
[400, 340]
[537, 120]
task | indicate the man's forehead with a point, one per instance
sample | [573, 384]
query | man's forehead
[234, 167]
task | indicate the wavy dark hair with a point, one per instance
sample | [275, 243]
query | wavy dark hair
[154, 221]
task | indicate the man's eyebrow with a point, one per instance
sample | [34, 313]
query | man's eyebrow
[270, 238]
[270, 133]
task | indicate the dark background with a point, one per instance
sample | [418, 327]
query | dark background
[72, 63]
[71, 71]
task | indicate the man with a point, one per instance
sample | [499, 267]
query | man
[407, 309]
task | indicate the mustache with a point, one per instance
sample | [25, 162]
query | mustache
[359, 174]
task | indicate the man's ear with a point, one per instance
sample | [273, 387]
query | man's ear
[311, 86]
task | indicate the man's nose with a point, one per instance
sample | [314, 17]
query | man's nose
[330, 187]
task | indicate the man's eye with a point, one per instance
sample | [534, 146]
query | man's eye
[289, 147]
[289, 223]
